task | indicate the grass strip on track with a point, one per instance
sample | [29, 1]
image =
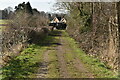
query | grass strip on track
[53, 65]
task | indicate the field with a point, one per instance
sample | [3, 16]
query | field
[3, 23]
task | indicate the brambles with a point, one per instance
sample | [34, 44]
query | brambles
[26, 26]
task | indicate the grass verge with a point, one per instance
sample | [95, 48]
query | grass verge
[25, 64]
[94, 65]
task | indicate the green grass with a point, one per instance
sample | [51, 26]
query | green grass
[25, 64]
[74, 73]
[0, 28]
[53, 71]
[53, 65]
[94, 65]
[0, 75]
[4, 21]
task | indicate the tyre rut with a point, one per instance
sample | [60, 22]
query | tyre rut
[43, 68]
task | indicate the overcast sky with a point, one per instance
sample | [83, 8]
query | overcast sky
[41, 5]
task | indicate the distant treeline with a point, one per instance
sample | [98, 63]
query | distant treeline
[5, 14]
[9, 13]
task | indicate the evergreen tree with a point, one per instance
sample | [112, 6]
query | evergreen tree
[29, 8]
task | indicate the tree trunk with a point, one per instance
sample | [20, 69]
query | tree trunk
[118, 15]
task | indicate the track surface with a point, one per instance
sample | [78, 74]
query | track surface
[64, 63]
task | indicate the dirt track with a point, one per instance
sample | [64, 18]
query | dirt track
[62, 49]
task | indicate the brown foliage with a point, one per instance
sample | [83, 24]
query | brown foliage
[100, 37]
[22, 30]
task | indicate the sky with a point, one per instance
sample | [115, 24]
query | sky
[41, 5]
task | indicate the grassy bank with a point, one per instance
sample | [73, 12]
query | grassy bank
[24, 65]
[94, 65]
[27, 63]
